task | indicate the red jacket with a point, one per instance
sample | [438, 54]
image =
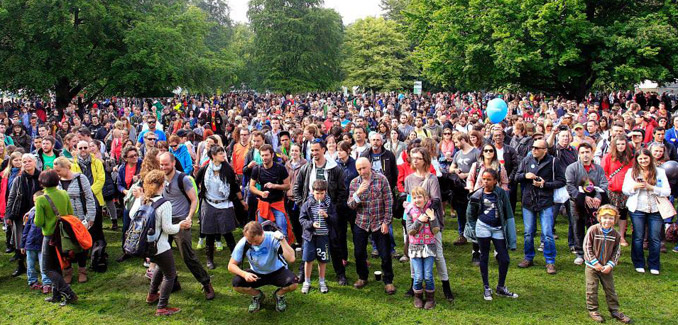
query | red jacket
[609, 166]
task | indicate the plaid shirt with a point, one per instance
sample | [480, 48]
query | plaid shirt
[375, 206]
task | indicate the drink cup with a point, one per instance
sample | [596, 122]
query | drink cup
[377, 275]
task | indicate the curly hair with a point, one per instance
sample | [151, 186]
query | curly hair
[153, 181]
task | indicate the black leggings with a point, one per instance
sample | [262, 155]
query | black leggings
[230, 240]
[217, 237]
[502, 258]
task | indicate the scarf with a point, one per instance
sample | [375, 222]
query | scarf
[216, 188]
[86, 167]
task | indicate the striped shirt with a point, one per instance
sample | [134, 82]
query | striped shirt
[374, 207]
[315, 208]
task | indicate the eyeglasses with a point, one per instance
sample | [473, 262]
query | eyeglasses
[82, 148]
[539, 148]
[133, 156]
[490, 150]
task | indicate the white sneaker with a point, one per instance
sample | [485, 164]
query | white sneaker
[654, 272]
[220, 246]
[323, 287]
[201, 243]
[579, 260]
[640, 270]
[305, 287]
[541, 247]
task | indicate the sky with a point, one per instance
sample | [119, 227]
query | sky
[350, 10]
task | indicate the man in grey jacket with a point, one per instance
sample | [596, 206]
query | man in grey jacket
[576, 176]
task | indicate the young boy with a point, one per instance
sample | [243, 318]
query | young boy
[31, 245]
[601, 252]
[315, 217]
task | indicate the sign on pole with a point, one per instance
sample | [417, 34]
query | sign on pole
[417, 88]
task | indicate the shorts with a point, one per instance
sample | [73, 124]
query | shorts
[318, 247]
[484, 230]
[281, 278]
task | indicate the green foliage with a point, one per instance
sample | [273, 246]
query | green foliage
[376, 55]
[565, 47]
[393, 9]
[106, 47]
[296, 45]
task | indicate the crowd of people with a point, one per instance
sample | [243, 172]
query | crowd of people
[297, 172]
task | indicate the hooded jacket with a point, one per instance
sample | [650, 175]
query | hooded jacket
[98, 177]
[389, 165]
[184, 158]
[22, 139]
[41, 163]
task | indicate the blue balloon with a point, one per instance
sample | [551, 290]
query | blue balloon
[497, 110]
[401, 96]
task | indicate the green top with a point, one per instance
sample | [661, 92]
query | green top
[44, 215]
[66, 154]
[48, 161]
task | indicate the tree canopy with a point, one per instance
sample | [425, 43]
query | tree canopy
[563, 47]
[376, 55]
[296, 45]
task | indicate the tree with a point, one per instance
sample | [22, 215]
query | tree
[103, 47]
[393, 9]
[376, 55]
[296, 45]
[563, 47]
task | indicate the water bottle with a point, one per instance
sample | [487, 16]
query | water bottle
[659, 183]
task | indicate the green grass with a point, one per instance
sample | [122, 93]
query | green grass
[118, 295]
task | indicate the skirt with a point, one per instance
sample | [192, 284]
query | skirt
[618, 199]
[215, 221]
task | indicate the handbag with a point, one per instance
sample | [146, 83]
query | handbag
[666, 209]
[560, 195]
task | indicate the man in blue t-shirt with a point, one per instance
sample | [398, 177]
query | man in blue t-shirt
[267, 266]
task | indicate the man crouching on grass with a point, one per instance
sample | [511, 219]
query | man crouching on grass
[268, 254]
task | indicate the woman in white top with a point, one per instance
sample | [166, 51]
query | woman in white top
[645, 184]
[163, 278]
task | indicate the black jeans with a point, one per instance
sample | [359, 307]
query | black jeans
[163, 278]
[502, 258]
[293, 215]
[230, 240]
[383, 241]
[184, 244]
[53, 267]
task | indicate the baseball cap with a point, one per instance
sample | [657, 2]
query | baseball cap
[578, 126]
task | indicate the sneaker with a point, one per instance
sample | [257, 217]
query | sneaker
[541, 247]
[640, 270]
[280, 302]
[396, 255]
[525, 264]
[201, 243]
[35, 286]
[460, 241]
[579, 260]
[654, 272]
[306, 287]
[596, 316]
[475, 258]
[375, 253]
[152, 298]
[255, 305]
[573, 250]
[341, 280]
[147, 263]
[487, 294]
[675, 249]
[220, 246]
[504, 292]
[166, 311]
[69, 299]
[621, 317]
[323, 287]
[550, 269]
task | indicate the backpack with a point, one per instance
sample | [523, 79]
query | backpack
[72, 236]
[180, 180]
[141, 239]
[99, 257]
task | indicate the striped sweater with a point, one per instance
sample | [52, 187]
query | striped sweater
[601, 246]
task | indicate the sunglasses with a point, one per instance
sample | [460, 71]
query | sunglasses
[535, 147]
[151, 122]
[490, 150]
[132, 156]
[82, 148]
[152, 139]
[447, 133]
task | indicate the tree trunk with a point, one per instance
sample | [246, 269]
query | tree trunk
[62, 91]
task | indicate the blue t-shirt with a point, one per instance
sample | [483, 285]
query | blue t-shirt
[160, 134]
[263, 258]
[489, 213]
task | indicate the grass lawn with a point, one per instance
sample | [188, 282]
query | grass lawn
[117, 296]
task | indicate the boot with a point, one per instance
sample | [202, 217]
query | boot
[622, 231]
[447, 291]
[210, 257]
[68, 275]
[418, 298]
[114, 224]
[82, 274]
[20, 269]
[410, 291]
[430, 299]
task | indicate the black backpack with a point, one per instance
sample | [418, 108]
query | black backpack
[141, 239]
[99, 257]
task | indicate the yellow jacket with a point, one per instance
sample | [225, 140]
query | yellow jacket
[99, 175]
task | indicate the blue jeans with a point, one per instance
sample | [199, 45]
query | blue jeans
[423, 272]
[280, 221]
[654, 224]
[33, 256]
[568, 211]
[546, 220]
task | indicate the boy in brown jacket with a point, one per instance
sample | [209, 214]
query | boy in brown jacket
[601, 253]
